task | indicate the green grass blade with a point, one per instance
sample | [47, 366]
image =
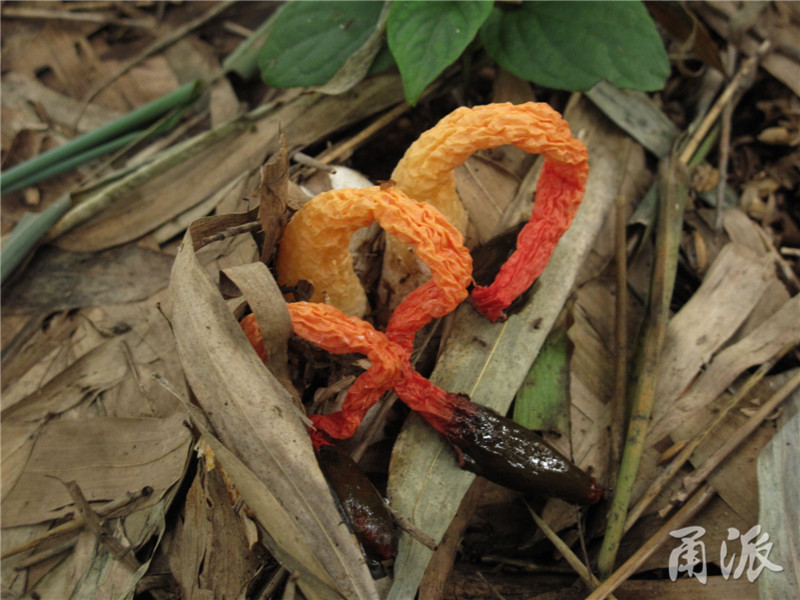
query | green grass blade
[244, 60]
[27, 234]
[133, 120]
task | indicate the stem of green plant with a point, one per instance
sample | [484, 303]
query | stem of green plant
[73, 209]
[673, 192]
[73, 161]
[28, 232]
[244, 60]
[31, 171]
[86, 207]
[618, 410]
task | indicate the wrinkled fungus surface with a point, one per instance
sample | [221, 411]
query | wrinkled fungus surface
[315, 247]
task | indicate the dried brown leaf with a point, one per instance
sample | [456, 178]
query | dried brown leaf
[57, 280]
[84, 379]
[263, 445]
[486, 189]
[268, 306]
[783, 62]
[208, 553]
[684, 26]
[764, 342]
[273, 197]
[92, 571]
[106, 456]
[735, 479]
[304, 119]
[55, 48]
[19, 90]
[17, 442]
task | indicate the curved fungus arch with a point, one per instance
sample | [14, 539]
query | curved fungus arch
[314, 247]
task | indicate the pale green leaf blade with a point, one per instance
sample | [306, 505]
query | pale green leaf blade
[542, 403]
[426, 37]
[637, 114]
[778, 486]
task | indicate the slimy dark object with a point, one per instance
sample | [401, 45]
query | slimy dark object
[363, 506]
[488, 443]
[496, 447]
[513, 456]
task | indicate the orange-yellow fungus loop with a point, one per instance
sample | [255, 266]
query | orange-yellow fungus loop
[426, 173]
[426, 170]
[315, 243]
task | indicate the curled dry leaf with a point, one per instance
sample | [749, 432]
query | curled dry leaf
[263, 444]
[58, 280]
[731, 289]
[207, 551]
[99, 369]
[762, 343]
[270, 311]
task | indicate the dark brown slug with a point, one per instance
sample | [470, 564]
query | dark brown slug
[513, 456]
[363, 506]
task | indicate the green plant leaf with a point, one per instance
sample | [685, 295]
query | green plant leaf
[542, 402]
[426, 37]
[383, 61]
[311, 41]
[574, 45]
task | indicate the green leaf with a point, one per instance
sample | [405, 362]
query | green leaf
[542, 402]
[311, 41]
[383, 61]
[426, 37]
[574, 45]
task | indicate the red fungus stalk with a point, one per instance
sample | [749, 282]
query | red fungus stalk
[559, 192]
[332, 330]
[486, 442]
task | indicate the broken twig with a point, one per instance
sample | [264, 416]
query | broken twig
[694, 479]
[629, 567]
[566, 551]
[686, 452]
[108, 510]
[745, 70]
